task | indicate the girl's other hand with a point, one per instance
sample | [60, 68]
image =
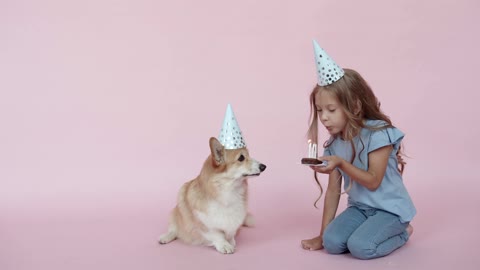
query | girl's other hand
[312, 244]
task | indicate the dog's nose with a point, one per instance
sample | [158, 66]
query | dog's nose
[262, 167]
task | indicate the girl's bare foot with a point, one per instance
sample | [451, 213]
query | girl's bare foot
[312, 244]
[409, 230]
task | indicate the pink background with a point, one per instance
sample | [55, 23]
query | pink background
[106, 108]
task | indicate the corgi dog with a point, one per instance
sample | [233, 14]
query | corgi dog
[212, 207]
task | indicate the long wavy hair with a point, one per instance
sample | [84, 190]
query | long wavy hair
[358, 102]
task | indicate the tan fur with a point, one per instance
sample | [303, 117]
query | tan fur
[212, 207]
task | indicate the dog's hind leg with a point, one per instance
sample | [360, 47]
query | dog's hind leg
[249, 221]
[169, 236]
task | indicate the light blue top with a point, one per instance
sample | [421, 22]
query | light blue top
[391, 195]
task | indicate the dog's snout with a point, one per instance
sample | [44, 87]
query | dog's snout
[262, 167]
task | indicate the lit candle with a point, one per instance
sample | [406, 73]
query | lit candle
[309, 148]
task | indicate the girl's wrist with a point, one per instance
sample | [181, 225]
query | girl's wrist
[341, 163]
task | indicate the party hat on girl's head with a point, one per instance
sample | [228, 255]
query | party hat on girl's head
[328, 71]
[231, 135]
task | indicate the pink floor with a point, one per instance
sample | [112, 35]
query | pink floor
[119, 231]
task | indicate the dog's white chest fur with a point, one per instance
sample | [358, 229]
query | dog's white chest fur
[226, 214]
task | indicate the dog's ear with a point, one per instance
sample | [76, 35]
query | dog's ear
[218, 152]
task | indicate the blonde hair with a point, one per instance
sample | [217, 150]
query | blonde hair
[358, 103]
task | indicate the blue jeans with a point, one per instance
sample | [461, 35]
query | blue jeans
[367, 234]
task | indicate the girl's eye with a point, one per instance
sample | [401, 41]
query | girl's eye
[332, 110]
[241, 158]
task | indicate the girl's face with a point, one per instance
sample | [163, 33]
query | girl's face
[330, 112]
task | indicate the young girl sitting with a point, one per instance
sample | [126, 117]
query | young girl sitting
[364, 150]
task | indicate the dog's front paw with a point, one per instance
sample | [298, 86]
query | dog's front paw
[232, 242]
[225, 248]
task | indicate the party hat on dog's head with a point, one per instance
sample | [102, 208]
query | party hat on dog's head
[231, 135]
[328, 71]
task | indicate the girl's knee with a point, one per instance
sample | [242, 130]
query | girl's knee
[334, 244]
[361, 248]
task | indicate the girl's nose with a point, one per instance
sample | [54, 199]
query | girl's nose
[323, 117]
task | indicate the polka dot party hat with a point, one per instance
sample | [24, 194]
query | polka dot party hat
[328, 71]
[231, 135]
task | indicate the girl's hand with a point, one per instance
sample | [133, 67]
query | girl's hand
[315, 243]
[332, 163]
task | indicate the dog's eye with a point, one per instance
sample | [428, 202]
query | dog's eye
[241, 158]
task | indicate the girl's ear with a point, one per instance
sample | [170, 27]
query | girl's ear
[358, 107]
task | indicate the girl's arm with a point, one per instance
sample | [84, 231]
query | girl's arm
[332, 198]
[372, 178]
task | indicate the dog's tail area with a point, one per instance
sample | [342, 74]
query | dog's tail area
[171, 233]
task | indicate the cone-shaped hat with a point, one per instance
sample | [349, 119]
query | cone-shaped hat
[328, 71]
[230, 134]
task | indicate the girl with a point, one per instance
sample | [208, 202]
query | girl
[362, 149]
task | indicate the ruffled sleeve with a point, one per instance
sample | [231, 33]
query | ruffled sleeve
[384, 137]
